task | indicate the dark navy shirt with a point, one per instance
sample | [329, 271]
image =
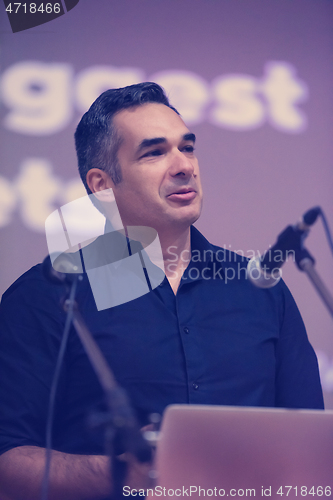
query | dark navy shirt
[219, 341]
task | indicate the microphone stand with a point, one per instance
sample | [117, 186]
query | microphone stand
[120, 416]
[306, 263]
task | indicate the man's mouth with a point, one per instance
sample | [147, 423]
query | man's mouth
[183, 194]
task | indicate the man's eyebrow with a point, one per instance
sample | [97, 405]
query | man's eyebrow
[146, 143]
[189, 137]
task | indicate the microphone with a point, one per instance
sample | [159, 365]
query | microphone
[62, 269]
[264, 272]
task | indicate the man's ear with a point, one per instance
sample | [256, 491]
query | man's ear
[98, 180]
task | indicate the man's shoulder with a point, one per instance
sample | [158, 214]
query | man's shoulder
[29, 280]
[32, 289]
[234, 267]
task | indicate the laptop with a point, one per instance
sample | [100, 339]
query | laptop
[218, 451]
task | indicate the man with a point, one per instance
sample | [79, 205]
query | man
[197, 338]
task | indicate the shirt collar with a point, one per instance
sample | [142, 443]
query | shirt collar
[206, 259]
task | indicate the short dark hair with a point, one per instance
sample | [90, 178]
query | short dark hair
[96, 139]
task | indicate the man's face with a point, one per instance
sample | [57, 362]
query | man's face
[160, 185]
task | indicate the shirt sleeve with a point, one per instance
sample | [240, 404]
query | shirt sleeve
[30, 335]
[297, 374]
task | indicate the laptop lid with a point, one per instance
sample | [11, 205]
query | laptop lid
[237, 452]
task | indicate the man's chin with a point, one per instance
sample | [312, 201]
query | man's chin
[187, 219]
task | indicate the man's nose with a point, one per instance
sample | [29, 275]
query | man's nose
[181, 165]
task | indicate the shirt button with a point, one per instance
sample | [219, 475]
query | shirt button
[186, 330]
[195, 386]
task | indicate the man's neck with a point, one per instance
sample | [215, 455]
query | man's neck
[176, 249]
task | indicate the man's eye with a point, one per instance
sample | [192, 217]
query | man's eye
[154, 152]
[189, 149]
